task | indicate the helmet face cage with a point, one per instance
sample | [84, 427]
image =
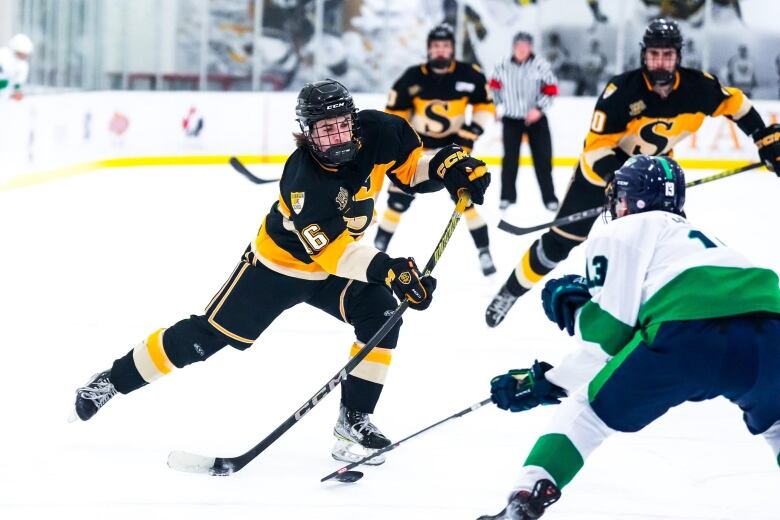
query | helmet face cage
[324, 100]
[647, 183]
[663, 34]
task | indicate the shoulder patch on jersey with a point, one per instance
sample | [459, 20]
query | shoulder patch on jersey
[476, 67]
[707, 75]
[414, 90]
[636, 108]
[609, 90]
[296, 199]
[464, 86]
[341, 199]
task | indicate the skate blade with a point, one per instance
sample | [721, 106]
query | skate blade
[348, 451]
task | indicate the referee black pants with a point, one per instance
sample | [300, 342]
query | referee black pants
[541, 153]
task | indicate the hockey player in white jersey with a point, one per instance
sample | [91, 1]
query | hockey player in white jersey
[676, 315]
[14, 66]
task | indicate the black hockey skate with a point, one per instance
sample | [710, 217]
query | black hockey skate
[357, 437]
[91, 397]
[486, 261]
[528, 506]
[499, 307]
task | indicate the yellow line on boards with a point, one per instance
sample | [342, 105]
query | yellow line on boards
[42, 177]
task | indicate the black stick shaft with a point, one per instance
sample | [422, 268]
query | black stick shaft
[243, 170]
[595, 212]
[228, 465]
[415, 434]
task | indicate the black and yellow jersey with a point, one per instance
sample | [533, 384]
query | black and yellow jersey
[435, 104]
[312, 231]
[630, 118]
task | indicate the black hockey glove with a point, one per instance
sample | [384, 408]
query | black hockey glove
[467, 135]
[520, 390]
[460, 171]
[561, 297]
[404, 278]
[768, 143]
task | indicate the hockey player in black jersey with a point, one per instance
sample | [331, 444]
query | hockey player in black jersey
[642, 111]
[308, 250]
[433, 97]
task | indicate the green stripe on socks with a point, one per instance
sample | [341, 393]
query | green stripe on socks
[558, 456]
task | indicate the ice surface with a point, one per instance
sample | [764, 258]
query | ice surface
[91, 265]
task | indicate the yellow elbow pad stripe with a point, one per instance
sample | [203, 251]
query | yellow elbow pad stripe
[484, 107]
[405, 171]
[328, 259]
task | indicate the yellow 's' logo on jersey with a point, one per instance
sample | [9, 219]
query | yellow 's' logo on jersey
[296, 200]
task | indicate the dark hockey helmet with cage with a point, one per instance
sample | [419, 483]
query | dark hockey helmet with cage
[322, 100]
[441, 32]
[661, 34]
[647, 183]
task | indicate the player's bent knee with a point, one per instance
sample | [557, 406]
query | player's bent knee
[399, 202]
[624, 416]
[192, 340]
[557, 247]
[373, 306]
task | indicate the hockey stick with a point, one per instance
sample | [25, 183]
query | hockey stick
[595, 212]
[345, 475]
[243, 170]
[223, 466]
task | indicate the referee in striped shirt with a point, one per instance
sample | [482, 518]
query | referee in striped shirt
[523, 87]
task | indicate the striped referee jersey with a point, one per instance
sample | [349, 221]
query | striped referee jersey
[518, 87]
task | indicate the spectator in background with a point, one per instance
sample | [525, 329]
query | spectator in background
[14, 66]
[523, 86]
[691, 57]
[598, 16]
[558, 56]
[777, 68]
[741, 73]
[592, 69]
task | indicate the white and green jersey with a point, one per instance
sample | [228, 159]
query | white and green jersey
[653, 267]
[13, 72]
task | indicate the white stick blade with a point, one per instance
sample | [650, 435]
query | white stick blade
[190, 462]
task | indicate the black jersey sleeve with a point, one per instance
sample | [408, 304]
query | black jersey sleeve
[483, 109]
[402, 150]
[601, 155]
[730, 102]
[399, 99]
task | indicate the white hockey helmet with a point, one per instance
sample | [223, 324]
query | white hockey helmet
[21, 44]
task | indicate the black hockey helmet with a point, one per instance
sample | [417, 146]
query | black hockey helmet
[664, 34]
[646, 183]
[443, 31]
[322, 100]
